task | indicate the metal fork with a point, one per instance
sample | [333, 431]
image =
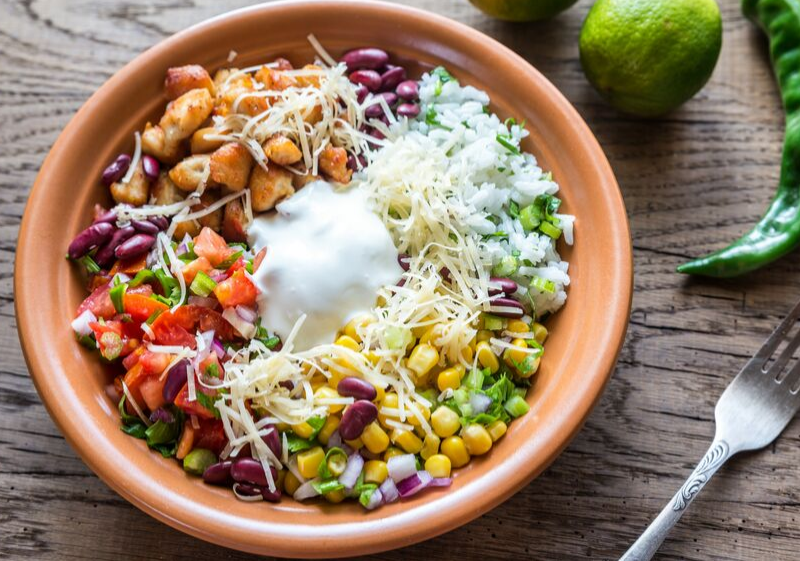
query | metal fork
[751, 413]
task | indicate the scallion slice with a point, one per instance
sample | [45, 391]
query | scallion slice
[143, 276]
[549, 230]
[516, 406]
[202, 285]
[91, 265]
[543, 285]
[505, 142]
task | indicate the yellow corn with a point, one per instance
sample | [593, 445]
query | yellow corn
[281, 478]
[411, 419]
[372, 357]
[408, 441]
[282, 427]
[308, 462]
[517, 326]
[497, 430]
[476, 439]
[356, 444]
[430, 446]
[422, 359]
[532, 367]
[375, 471]
[290, 483]
[513, 356]
[318, 381]
[335, 375]
[335, 496]
[420, 330]
[483, 335]
[453, 447]
[348, 342]
[438, 465]
[331, 424]
[361, 320]
[391, 452]
[326, 392]
[375, 438]
[303, 430]
[486, 357]
[539, 332]
[390, 402]
[449, 378]
[467, 353]
[380, 393]
[445, 422]
[432, 334]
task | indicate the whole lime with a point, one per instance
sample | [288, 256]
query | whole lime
[647, 57]
[522, 10]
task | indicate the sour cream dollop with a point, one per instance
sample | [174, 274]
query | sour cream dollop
[327, 256]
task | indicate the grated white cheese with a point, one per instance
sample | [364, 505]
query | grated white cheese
[137, 155]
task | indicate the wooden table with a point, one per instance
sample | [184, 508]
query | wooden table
[691, 181]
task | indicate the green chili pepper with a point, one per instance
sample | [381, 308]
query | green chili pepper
[778, 232]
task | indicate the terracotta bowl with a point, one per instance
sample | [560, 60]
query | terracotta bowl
[586, 335]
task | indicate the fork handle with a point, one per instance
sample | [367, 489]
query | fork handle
[648, 543]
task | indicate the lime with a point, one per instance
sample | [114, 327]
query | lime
[522, 10]
[647, 57]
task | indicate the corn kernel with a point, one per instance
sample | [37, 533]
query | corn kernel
[348, 342]
[483, 335]
[279, 483]
[438, 465]
[424, 411]
[539, 332]
[303, 430]
[517, 326]
[375, 471]
[486, 357]
[331, 424]
[335, 496]
[373, 357]
[380, 393]
[361, 320]
[337, 375]
[421, 329]
[422, 359]
[408, 441]
[453, 447]
[445, 422]
[432, 334]
[390, 402]
[375, 438]
[326, 392]
[467, 353]
[496, 430]
[317, 382]
[531, 367]
[512, 357]
[430, 446]
[308, 462]
[356, 444]
[476, 439]
[391, 452]
[282, 427]
[290, 483]
[449, 378]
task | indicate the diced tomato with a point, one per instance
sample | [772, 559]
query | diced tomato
[238, 264]
[133, 379]
[192, 407]
[152, 391]
[212, 246]
[210, 435]
[236, 291]
[142, 290]
[205, 319]
[99, 303]
[129, 266]
[211, 367]
[167, 331]
[155, 363]
[141, 307]
[191, 269]
[133, 358]
[259, 258]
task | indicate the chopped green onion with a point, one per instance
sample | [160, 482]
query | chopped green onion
[492, 322]
[334, 463]
[110, 345]
[366, 493]
[474, 379]
[549, 230]
[513, 209]
[521, 392]
[143, 276]
[202, 285]
[327, 486]
[91, 266]
[543, 285]
[117, 295]
[230, 260]
[154, 315]
[398, 338]
[510, 122]
[516, 406]
[530, 217]
[507, 266]
[316, 423]
[87, 341]
[213, 370]
[499, 235]
[505, 142]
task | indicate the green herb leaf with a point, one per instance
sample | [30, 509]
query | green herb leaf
[327, 486]
[230, 260]
[513, 209]
[136, 430]
[208, 401]
[297, 444]
[316, 423]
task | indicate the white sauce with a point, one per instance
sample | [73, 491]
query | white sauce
[327, 256]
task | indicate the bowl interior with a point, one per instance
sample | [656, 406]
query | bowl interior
[585, 335]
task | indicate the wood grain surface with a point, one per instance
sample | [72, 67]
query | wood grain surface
[691, 182]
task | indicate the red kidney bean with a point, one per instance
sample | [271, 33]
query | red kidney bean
[367, 78]
[105, 255]
[409, 110]
[160, 221]
[350, 386]
[353, 161]
[176, 378]
[116, 170]
[356, 417]
[361, 93]
[248, 470]
[504, 285]
[134, 246]
[247, 490]
[376, 110]
[145, 226]
[287, 384]
[91, 237]
[151, 167]
[219, 473]
[271, 496]
[404, 261]
[367, 57]
[391, 78]
[408, 90]
[273, 441]
[109, 216]
[514, 309]
[445, 272]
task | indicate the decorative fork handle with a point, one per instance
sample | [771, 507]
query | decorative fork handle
[648, 543]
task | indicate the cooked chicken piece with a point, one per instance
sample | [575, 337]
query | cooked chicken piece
[269, 187]
[214, 219]
[181, 79]
[165, 192]
[230, 166]
[310, 80]
[282, 151]
[202, 145]
[300, 181]
[135, 192]
[182, 117]
[333, 163]
[234, 222]
[188, 174]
